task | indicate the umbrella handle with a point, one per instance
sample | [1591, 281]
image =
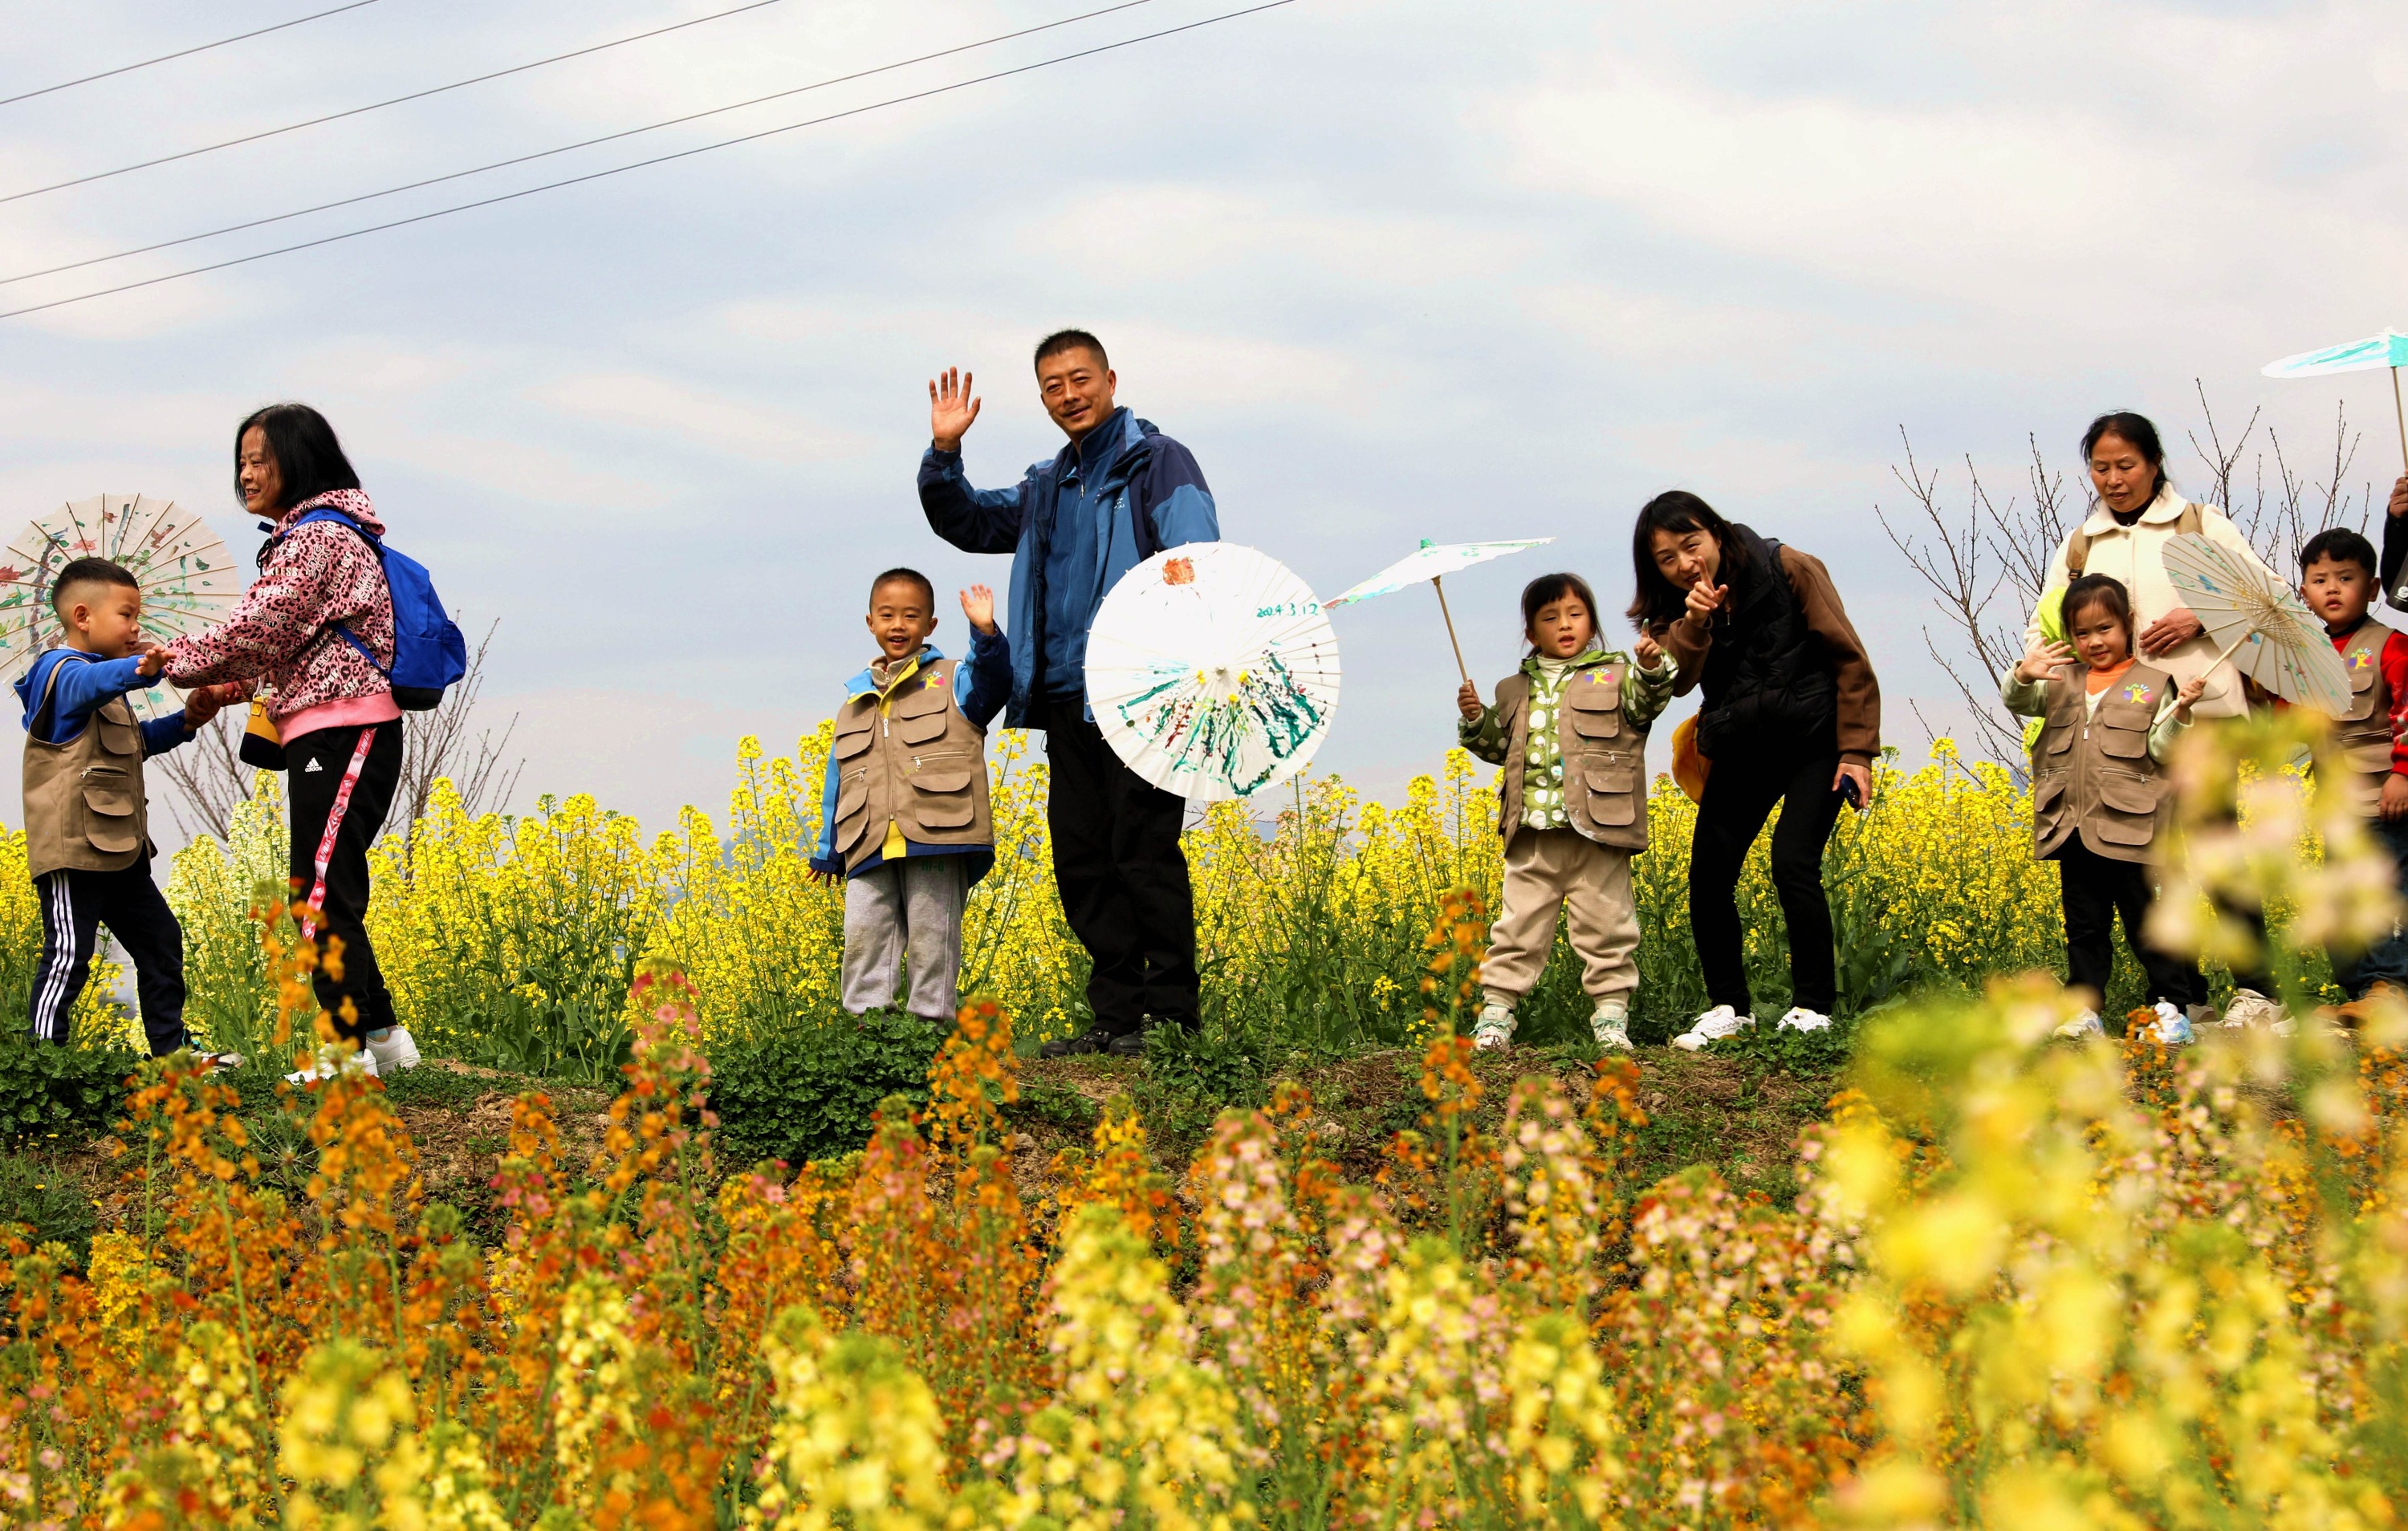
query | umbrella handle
[2399, 415]
[2218, 662]
[1442, 611]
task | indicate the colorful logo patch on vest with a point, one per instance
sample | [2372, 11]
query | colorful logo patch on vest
[2361, 659]
[2137, 692]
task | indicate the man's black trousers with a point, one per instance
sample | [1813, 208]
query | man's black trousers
[1122, 876]
[341, 782]
[75, 903]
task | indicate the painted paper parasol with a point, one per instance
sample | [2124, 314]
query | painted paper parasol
[1434, 560]
[1213, 671]
[2388, 349]
[2261, 625]
[188, 578]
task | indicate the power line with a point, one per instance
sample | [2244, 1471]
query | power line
[585, 143]
[379, 105]
[640, 164]
[181, 53]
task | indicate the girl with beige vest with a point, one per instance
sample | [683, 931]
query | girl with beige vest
[2099, 799]
[1570, 727]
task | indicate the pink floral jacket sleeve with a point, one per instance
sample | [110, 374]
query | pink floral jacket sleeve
[282, 630]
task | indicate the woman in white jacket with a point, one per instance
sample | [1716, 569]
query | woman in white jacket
[2133, 514]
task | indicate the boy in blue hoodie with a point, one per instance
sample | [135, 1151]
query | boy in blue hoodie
[903, 811]
[87, 819]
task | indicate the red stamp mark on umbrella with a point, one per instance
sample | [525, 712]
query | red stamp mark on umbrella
[1179, 571]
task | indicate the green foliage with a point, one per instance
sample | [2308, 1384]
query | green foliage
[39, 1196]
[1192, 1077]
[45, 1088]
[810, 1089]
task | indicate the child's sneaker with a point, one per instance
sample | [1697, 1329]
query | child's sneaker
[1609, 1023]
[1713, 1026]
[217, 1062]
[1496, 1028]
[393, 1049]
[1801, 1019]
[332, 1060]
[2082, 1028]
[2173, 1027]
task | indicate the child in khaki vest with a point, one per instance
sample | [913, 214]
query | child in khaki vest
[2099, 799]
[2336, 580]
[903, 813]
[1571, 730]
[87, 817]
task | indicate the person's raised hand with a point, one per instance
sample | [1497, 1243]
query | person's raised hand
[1649, 652]
[1703, 601]
[2041, 659]
[1467, 701]
[951, 408]
[2171, 631]
[2188, 693]
[2398, 505]
[978, 605]
[154, 658]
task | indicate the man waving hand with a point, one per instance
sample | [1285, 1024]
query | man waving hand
[1118, 493]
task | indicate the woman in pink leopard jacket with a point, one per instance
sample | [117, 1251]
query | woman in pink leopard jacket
[316, 628]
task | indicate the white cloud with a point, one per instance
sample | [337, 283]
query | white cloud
[699, 417]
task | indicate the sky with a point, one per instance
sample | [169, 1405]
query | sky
[1392, 270]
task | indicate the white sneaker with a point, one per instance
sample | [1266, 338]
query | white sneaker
[1609, 1023]
[2082, 1027]
[1496, 1028]
[2251, 1008]
[1801, 1019]
[395, 1049]
[2173, 1027]
[1713, 1026]
[332, 1060]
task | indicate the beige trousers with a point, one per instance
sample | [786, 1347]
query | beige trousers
[1546, 869]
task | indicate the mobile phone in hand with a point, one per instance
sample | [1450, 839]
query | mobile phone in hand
[1848, 790]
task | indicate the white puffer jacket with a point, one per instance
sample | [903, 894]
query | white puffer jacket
[2135, 556]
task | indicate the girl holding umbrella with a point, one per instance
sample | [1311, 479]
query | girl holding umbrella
[1792, 718]
[316, 628]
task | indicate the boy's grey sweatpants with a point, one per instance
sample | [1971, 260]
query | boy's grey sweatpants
[912, 906]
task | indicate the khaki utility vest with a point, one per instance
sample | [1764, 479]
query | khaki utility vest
[2091, 772]
[910, 757]
[2364, 732]
[85, 808]
[1604, 756]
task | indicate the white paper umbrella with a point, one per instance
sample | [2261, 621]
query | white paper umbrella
[188, 578]
[2388, 349]
[1434, 560]
[1213, 671]
[2261, 625]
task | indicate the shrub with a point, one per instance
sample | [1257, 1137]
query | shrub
[45, 1088]
[810, 1089]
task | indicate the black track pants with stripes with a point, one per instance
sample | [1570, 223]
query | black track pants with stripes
[75, 903]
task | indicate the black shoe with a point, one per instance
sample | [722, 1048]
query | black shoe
[1130, 1044]
[1093, 1040]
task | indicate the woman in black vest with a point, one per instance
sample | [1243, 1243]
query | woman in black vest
[1792, 717]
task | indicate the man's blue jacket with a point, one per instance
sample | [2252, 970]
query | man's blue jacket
[1146, 495]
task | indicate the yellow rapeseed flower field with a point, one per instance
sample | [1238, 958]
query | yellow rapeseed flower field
[513, 937]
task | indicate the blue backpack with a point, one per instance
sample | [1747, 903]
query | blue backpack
[428, 653]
